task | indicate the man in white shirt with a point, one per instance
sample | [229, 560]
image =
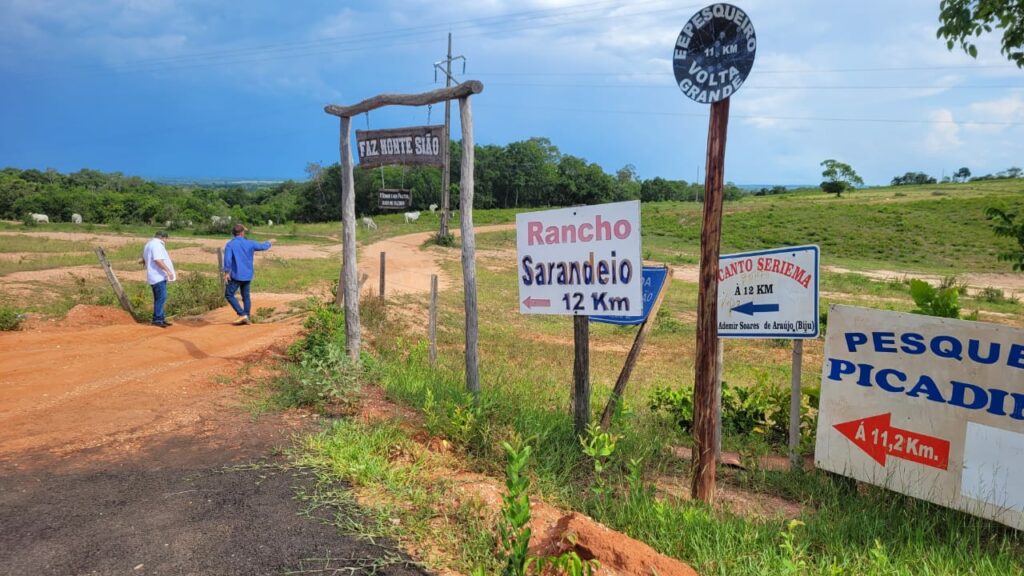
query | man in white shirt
[159, 271]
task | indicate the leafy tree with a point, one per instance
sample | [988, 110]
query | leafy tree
[912, 178]
[964, 19]
[962, 174]
[839, 177]
[1007, 225]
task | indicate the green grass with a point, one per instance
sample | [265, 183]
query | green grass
[526, 372]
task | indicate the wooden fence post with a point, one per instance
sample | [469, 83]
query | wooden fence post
[432, 329]
[794, 406]
[469, 250]
[581, 373]
[704, 419]
[634, 354]
[220, 267]
[115, 284]
[382, 275]
[348, 286]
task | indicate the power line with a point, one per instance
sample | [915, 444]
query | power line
[750, 86]
[760, 117]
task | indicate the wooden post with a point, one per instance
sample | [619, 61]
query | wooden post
[794, 407]
[115, 284]
[432, 328]
[469, 249]
[348, 285]
[581, 373]
[634, 355]
[703, 487]
[220, 267]
[382, 267]
[718, 401]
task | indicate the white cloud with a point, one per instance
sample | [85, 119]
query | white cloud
[944, 135]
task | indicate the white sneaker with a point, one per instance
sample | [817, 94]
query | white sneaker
[242, 320]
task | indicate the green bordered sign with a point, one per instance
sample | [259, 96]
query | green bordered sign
[714, 53]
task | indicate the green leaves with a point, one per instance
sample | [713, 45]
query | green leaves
[963, 19]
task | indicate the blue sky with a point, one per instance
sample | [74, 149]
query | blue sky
[166, 88]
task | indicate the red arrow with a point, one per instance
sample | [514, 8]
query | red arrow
[878, 439]
[531, 302]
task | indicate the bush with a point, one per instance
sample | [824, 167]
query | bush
[194, 293]
[321, 376]
[761, 409]
[931, 301]
[9, 319]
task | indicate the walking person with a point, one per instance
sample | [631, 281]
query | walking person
[238, 271]
[159, 271]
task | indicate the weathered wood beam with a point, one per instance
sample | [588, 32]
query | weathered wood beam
[463, 90]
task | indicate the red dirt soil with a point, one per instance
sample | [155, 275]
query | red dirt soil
[99, 381]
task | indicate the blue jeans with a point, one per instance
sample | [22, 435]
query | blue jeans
[159, 299]
[229, 294]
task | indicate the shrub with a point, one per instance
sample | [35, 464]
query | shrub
[761, 409]
[9, 319]
[931, 301]
[194, 293]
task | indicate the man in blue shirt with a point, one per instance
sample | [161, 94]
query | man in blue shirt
[238, 271]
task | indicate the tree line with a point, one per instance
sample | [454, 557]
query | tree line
[526, 174]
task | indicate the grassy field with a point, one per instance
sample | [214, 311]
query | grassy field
[526, 370]
[839, 527]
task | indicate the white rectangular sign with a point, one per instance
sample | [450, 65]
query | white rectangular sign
[581, 261]
[769, 294]
[928, 407]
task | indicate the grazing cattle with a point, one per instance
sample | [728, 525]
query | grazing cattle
[270, 222]
[433, 208]
[412, 216]
[369, 223]
[40, 218]
[219, 220]
[76, 218]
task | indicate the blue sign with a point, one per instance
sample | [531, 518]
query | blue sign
[654, 279]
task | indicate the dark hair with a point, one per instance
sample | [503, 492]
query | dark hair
[238, 229]
[161, 234]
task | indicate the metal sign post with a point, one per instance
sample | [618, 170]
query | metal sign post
[712, 57]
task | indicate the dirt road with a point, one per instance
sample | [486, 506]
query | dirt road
[114, 438]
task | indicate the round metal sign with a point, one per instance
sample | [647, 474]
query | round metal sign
[714, 53]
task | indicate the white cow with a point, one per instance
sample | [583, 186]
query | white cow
[412, 216]
[369, 223]
[76, 218]
[270, 222]
[40, 218]
[433, 208]
[219, 220]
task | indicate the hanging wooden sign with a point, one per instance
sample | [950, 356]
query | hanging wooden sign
[394, 199]
[414, 145]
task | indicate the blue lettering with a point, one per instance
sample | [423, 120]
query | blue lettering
[1018, 406]
[864, 379]
[958, 399]
[954, 351]
[884, 341]
[527, 271]
[882, 380]
[913, 343]
[993, 352]
[996, 405]
[839, 368]
[854, 339]
[926, 385]
[1016, 356]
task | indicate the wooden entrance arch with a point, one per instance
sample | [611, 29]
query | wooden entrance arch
[348, 286]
